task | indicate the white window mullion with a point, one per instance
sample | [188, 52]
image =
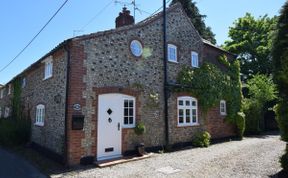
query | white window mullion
[41, 115]
[187, 104]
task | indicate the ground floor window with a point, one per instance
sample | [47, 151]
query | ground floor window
[40, 115]
[129, 112]
[187, 111]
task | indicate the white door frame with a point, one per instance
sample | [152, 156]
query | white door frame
[109, 129]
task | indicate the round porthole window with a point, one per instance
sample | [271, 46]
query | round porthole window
[136, 48]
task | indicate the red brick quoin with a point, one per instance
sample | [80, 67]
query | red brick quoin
[76, 88]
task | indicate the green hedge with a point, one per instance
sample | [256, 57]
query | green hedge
[281, 110]
[14, 131]
[240, 122]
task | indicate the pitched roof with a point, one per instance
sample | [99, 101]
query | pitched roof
[206, 42]
[101, 33]
[142, 23]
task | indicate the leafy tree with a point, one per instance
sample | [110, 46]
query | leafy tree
[280, 73]
[261, 90]
[197, 19]
[251, 40]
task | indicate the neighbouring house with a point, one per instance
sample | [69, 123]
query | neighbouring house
[5, 100]
[86, 95]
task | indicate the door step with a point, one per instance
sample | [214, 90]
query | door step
[112, 162]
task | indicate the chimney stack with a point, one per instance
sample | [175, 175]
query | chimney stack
[124, 18]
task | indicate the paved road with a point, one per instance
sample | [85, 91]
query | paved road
[12, 166]
[252, 157]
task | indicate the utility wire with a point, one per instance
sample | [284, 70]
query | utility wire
[159, 8]
[100, 12]
[34, 37]
[140, 10]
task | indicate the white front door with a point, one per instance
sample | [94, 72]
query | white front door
[110, 116]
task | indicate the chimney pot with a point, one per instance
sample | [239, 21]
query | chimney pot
[124, 18]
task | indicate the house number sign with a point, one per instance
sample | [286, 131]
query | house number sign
[77, 107]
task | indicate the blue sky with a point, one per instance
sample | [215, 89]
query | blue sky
[21, 20]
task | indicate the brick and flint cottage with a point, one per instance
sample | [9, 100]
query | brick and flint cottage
[86, 95]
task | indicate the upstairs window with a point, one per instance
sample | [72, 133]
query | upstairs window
[223, 108]
[9, 89]
[194, 59]
[187, 111]
[129, 113]
[172, 53]
[136, 48]
[40, 115]
[23, 82]
[48, 68]
[6, 112]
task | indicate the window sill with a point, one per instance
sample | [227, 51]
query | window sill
[39, 124]
[188, 125]
[195, 67]
[128, 127]
[47, 77]
[173, 62]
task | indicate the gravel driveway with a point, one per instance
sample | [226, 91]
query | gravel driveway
[252, 157]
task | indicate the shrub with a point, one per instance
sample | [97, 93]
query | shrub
[284, 161]
[201, 139]
[140, 129]
[253, 114]
[281, 110]
[240, 122]
[14, 131]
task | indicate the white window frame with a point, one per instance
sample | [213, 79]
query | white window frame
[172, 57]
[48, 69]
[6, 112]
[9, 89]
[23, 84]
[40, 115]
[184, 107]
[223, 108]
[134, 112]
[133, 48]
[194, 59]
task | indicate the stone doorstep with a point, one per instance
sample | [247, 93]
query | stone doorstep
[112, 162]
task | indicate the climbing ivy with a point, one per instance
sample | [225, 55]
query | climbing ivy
[16, 99]
[209, 84]
[209, 93]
